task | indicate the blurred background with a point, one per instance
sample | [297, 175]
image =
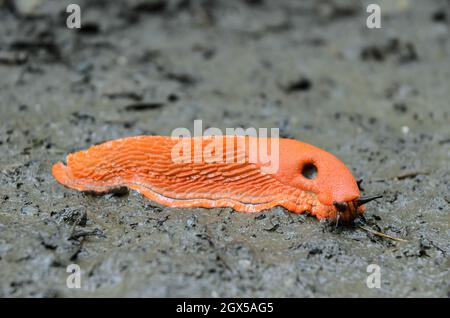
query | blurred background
[377, 98]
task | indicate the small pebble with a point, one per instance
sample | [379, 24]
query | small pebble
[191, 222]
[29, 210]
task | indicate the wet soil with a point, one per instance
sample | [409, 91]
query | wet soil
[378, 99]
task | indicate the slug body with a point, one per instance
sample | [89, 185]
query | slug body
[230, 178]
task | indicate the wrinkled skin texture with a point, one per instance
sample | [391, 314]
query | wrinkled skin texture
[251, 182]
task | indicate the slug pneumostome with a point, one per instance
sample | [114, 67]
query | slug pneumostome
[306, 178]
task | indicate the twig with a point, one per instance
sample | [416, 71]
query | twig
[411, 174]
[381, 234]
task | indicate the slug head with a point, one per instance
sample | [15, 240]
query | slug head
[314, 170]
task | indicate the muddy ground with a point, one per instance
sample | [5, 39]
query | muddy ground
[378, 99]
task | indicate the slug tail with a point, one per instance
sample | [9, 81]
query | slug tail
[63, 175]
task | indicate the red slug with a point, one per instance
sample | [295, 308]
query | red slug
[219, 171]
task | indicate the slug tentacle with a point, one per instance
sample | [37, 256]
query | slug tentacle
[363, 200]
